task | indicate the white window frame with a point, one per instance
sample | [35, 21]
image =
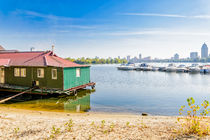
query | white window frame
[41, 74]
[56, 73]
[17, 72]
[78, 72]
[22, 72]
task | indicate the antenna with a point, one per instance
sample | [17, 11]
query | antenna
[53, 47]
[32, 49]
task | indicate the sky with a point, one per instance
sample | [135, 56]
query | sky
[106, 28]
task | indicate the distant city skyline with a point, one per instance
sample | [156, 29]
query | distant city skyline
[193, 55]
[106, 28]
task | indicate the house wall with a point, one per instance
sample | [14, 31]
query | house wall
[31, 75]
[70, 79]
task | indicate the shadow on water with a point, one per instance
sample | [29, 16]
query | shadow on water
[53, 102]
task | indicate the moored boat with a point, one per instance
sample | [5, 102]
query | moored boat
[128, 66]
[155, 68]
[181, 68]
[145, 67]
[205, 69]
[194, 68]
[162, 69]
[171, 68]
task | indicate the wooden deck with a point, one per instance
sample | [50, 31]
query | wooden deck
[18, 89]
[74, 89]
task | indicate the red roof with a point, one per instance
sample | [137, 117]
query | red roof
[35, 59]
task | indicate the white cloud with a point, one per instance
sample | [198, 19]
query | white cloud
[40, 15]
[154, 14]
[159, 32]
[168, 15]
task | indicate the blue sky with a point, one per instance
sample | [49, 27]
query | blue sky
[106, 28]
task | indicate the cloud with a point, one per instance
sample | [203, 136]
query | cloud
[154, 15]
[159, 32]
[75, 26]
[40, 15]
[168, 15]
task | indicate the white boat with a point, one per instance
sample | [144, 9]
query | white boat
[145, 67]
[194, 68]
[155, 68]
[171, 68]
[162, 69]
[126, 67]
[138, 68]
[205, 69]
[181, 68]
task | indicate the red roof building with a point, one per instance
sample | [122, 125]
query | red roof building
[38, 58]
[42, 69]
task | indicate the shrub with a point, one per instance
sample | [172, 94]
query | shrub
[194, 122]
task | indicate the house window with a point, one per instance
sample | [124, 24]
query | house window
[17, 72]
[23, 72]
[40, 72]
[54, 73]
[78, 72]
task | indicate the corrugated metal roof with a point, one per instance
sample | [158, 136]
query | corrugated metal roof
[4, 62]
[41, 58]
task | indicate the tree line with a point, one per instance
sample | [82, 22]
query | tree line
[84, 60]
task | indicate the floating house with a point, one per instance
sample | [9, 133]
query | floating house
[41, 69]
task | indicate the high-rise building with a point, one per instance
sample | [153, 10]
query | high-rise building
[204, 51]
[139, 56]
[176, 56]
[128, 58]
[193, 55]
[118, 57]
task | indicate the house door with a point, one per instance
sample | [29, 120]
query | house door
[2, 75]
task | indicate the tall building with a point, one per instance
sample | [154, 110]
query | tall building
[176, 56]
[204, 51]
[128, 58]
[139, 56]
[193, 55]
[147, 58]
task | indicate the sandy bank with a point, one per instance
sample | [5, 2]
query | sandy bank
[26, 124]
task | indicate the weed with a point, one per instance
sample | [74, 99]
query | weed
[93, 123]
[90, 137]
[102, 123]
[194, 123]
[55, 131]
[69, 125]
[111, 127]
[128, 124]
[16, 130]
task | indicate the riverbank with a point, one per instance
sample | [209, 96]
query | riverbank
[27, 124]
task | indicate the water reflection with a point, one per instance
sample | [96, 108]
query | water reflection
[64, 103]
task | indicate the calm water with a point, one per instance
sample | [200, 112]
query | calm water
[157, 93]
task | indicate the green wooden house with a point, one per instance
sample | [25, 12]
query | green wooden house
[43, 70]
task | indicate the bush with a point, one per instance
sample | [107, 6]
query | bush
[194, 122]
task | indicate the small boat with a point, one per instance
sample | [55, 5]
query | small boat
[181, 68]
[155, 68]
[129, 66]
[138, 68]
[171, 68]
[194, 68]
[205, 69]
[145, 67]
[162, 69]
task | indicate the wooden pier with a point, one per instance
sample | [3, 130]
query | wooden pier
[74, 89]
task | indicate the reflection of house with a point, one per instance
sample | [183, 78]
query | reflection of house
[81, 104]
